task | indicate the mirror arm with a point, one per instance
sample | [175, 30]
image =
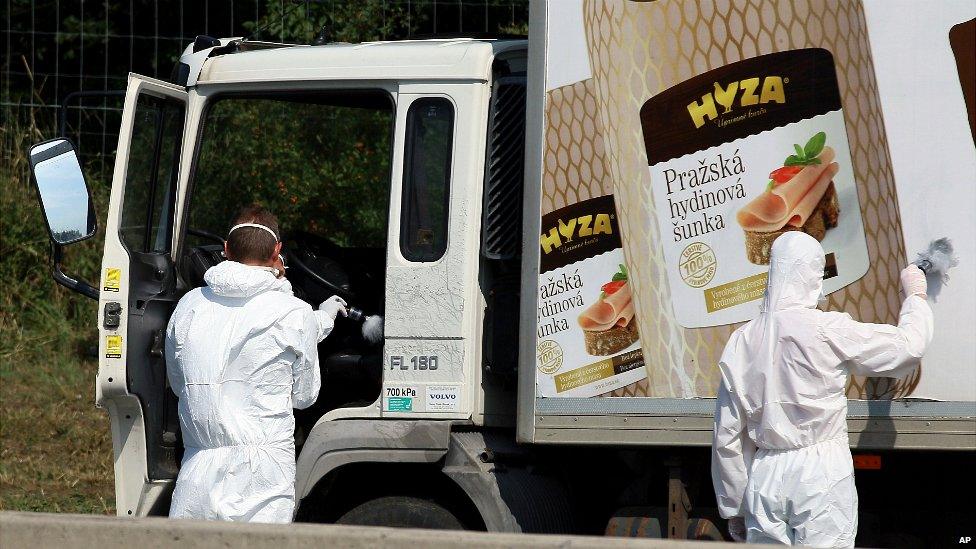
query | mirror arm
[83, 288]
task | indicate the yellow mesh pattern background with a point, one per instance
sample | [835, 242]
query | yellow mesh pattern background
[574, 161]
[594, 146]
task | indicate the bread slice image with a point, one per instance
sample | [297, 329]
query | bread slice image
[824, 216]
[612, 340]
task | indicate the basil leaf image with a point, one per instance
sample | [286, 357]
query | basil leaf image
[815, 145]
[620, 274]
[794, 160]
[799, 152]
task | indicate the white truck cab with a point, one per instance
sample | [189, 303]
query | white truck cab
[415, 119]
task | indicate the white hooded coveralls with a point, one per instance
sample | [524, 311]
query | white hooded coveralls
[780, 450]
[241, 353]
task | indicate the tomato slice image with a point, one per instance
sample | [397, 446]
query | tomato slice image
[611, 287]
[784, 174]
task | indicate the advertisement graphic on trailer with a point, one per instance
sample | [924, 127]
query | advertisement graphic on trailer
[667, 175]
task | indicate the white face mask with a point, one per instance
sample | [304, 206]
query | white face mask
[271, 270]
[274, 270]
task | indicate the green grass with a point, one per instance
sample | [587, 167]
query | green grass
[55, 446]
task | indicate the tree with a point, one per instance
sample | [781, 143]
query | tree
[362, 21]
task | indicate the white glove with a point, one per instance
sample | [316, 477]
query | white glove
[913, 282]
[333, 306]
[737, 529]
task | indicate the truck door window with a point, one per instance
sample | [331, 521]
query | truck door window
[150, 179]
[319, 161]
[426, 179]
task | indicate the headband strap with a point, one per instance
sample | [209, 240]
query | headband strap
[256, 226]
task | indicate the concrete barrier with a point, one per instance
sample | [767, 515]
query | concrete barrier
[43, 530]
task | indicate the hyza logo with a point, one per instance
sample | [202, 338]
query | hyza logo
[582, 226]
[770, 89]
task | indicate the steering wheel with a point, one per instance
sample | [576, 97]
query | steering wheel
[313, 256]
[310, 254]
[206, 234]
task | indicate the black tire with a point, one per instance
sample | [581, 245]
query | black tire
[401, 512]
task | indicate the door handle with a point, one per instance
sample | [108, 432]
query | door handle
[158, 343]
[112, 317]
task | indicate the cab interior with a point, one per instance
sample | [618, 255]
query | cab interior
[321, 163]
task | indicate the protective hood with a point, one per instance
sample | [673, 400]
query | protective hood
[233, 279]
[796, 268]
[795, 281]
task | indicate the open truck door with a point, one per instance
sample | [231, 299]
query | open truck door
[138, 289]
[138, 294]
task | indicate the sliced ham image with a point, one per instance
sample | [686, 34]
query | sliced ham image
[809, 202]
[616, 309]
[609, 325]
[784, 203]
[800, 197]
[625, 315]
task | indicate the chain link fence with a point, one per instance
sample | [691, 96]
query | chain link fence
[78, 53]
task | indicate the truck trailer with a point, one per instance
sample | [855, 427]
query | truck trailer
[560, 234]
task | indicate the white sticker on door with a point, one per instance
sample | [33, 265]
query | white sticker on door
[443, 398]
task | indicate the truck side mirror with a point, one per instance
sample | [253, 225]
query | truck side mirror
[65, 202]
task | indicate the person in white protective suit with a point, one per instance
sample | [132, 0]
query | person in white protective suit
[240, 355]
[781, 465]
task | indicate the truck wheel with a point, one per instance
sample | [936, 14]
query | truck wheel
[401, 512]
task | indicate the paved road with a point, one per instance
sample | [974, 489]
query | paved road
[43, 530]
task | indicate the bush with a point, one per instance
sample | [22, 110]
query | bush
[55, 446]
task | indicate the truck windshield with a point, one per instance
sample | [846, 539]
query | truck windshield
[320, 162]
